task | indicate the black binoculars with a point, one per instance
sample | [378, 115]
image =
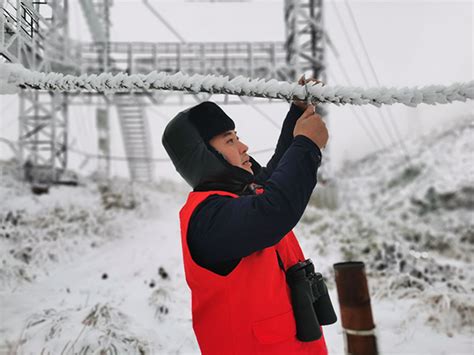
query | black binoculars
[310, 300]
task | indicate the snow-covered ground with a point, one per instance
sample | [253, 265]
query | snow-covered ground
[85, 268]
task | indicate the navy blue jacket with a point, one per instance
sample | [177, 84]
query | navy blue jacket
[222, 229]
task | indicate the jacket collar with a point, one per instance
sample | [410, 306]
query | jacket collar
[202, 167]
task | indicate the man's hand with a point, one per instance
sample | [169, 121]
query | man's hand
[312, 126]
[302, 81]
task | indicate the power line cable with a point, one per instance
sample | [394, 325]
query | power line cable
[156, 160]
[81, 128]
[392, 119]
[260, 151]
[163, 21]
[91, 124]
[248, 101]
[364, 127]
[84, 127]
[263, 114]
[379, 142]
[165, 119]
[120, 158]
[359, 64]
[158, 113]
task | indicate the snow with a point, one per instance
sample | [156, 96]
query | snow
[95, 268]
[14, 74]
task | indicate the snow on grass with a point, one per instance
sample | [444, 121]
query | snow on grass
[102, 265]
[412, 224]
[136, 274]
[100, 328]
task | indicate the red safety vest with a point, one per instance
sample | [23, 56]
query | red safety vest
[248, 311]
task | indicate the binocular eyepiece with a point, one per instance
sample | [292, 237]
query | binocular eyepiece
[310, 300]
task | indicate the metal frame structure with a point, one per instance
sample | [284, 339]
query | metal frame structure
[41, 42]
[97, 15]
[305, 50]
[305, 37]
[255, 59]
[43, 134]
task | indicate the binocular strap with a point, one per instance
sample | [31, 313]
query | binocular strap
[280, 262]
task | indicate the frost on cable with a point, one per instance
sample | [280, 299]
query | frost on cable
[14, 76]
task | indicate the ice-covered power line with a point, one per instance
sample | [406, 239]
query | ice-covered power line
[263, 114]
[163, 21]
[361, 68]
[366, 116]
[119, 158]
[361, 40]
[13, 77]
[375, 141]
[136, 158]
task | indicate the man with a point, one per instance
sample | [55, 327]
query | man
[236, 227]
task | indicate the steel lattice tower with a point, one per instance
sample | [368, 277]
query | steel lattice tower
[305, 52]
[304, 37]
[43, 44]
[40, 42]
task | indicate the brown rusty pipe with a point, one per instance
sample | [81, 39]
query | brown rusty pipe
[356, 313]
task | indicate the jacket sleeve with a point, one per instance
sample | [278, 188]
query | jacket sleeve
[284, 141]
[224, 228]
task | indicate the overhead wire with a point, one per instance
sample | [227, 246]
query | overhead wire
[262, 113]
[359, 119]
[361, 40]
[260, 151]
[377, 141]
[361, 68]
[395, 128]
[16, 77]
[119, 158]
[163, 21]
[79, 113]
[159, 114]
[82, 128]
[249, 102]
[156, 160]
[159, 160]
[265, 150]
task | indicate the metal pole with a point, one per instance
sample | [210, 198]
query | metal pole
[356, 313]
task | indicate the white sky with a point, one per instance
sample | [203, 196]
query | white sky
[410, 43]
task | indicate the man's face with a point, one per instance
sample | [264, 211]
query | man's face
[233, 150]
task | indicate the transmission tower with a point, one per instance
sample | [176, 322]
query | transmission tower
[305, 50]
[304, 38]
[36, 35]
[97, 15]
[42, 43]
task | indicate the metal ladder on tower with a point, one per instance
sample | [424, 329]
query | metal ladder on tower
[136, 136]
[132, 115]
